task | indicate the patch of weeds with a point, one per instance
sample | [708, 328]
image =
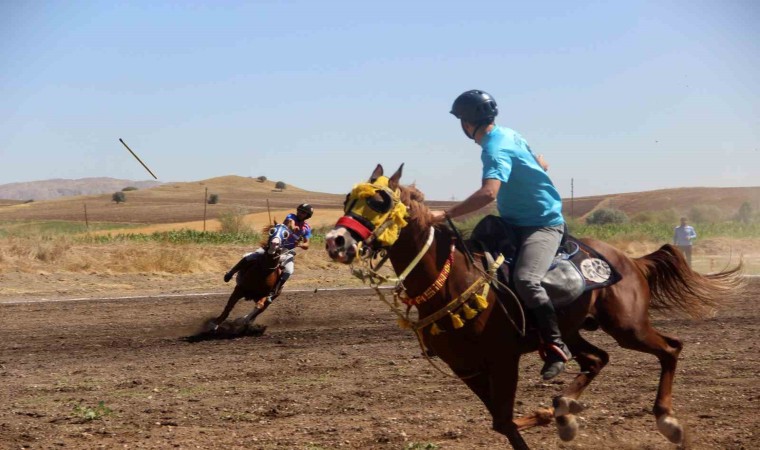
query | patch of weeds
[421, 446]
[87, 413]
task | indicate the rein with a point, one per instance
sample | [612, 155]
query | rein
[451, 309]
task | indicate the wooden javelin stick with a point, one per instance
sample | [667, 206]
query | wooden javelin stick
[137, 158]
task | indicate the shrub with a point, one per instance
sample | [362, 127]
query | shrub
[706, 214]
[606, 216]
[233, 222]
[744, 215]
[129, 188]
[119, 197]
[280, 185]
[213, 199]
[262, 179]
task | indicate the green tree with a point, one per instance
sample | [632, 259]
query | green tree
[119, 197]
[129, 188]
[606, 216]
[262, 179]
[744, 215]
[280, 185]
[213, 199]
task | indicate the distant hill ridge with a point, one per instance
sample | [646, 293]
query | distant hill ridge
[56, 188]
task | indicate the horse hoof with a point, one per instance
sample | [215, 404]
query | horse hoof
[567, 427]
[564, 406]
[670, 428]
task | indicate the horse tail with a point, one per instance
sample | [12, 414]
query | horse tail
[674, 286]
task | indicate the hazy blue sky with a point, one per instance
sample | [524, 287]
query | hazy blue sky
[622, 96]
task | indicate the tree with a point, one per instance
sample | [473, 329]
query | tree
[262, 179]
[745, 213]
[213, 199]
[606, 216]
[280, 185]
[119, 197]
[129, 188]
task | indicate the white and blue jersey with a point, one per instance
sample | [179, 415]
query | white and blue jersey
[527, 197]
[305, 232]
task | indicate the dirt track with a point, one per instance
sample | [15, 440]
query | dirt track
[332, 370]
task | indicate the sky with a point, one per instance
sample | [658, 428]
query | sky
[618, 96]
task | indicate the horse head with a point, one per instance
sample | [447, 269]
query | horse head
[278, 235]
[373, 217]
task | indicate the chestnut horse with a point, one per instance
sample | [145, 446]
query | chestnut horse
[484, 351]
[257, 280]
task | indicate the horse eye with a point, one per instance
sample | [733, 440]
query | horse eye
[285, 234]
[271, 231]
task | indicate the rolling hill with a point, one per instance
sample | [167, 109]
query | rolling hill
[56, 188]
[681, 200]
[184, 202]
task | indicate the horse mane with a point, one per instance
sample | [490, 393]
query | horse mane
[413, 198]
[419, 213]
[265, 235]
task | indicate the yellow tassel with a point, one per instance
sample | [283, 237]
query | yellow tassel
[404, 324]
[480, 302]
[434, 330]
[469, 313]
[456, 321]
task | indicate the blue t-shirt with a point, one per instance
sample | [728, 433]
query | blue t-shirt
[294, 237]
[527, 197]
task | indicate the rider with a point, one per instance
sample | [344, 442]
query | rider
[300, 233]
[527, 201]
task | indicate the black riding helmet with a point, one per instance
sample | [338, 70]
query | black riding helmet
[475, 107]
[306, 209]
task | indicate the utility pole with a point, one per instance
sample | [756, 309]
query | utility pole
[572, 198]
[205, 205]
[86, 222]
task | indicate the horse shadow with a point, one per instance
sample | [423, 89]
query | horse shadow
[227, 330]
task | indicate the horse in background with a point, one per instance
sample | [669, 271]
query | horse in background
[484, 350]
[257, 279]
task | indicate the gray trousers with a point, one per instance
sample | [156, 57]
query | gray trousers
[538, 245]
[686, 249]
[286, 261]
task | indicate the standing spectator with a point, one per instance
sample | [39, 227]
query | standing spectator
[682, 238]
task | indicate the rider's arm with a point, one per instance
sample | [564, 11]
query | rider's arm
[304, 244]
[481, 198]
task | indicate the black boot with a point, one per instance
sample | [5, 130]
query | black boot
[242, 264]
[555, 352]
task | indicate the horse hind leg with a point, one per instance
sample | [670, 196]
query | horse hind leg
[591, 359]
[666, 348]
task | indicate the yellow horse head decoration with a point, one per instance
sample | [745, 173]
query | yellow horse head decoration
[375, 209]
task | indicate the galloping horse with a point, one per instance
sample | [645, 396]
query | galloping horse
[484, 349]
[256, 281]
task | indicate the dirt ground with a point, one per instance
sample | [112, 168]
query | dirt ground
[331, 371]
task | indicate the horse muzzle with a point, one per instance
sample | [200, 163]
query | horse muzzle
[341, 246]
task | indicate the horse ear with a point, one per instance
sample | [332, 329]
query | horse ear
[377, 173]
[393, 181]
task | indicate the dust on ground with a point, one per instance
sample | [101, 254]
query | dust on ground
[332, 371]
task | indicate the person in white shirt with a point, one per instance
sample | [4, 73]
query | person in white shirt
[682, 237]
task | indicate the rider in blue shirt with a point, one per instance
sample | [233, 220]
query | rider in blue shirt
[300, 233]
[527, 202]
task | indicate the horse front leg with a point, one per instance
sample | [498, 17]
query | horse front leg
[503, 388]
[591, 359]
[234, 298]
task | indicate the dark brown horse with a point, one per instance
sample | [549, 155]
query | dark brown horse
[257, 280]
[485, 351]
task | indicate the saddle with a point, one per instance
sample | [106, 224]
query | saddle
[577, 268]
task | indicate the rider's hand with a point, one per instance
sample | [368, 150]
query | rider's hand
[438, 216]
[542, 162]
